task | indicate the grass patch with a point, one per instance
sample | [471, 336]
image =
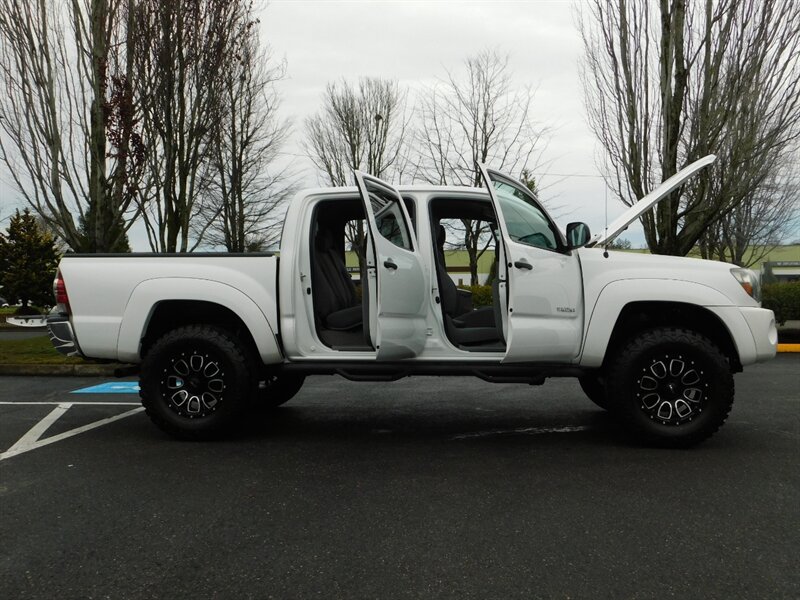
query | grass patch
[33, 351]
[6, 311]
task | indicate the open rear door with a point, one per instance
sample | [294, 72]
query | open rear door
[394, 272]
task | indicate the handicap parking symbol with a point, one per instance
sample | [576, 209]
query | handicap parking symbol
[111, 387]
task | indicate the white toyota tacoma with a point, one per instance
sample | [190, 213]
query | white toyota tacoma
[653, 339]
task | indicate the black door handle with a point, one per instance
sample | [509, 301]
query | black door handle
[523, 265]
[390, 265]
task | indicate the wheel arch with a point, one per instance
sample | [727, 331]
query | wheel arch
[626, 306]
[157, 306]
[639, 316]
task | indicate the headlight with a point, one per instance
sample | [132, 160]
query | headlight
[749, 282]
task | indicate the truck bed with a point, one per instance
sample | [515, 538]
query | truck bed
[106, 289]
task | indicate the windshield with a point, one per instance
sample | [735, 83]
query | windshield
[525, 221]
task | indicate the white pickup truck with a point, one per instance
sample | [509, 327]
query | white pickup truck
[653, 339]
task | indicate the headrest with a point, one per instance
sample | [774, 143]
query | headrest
[441, 236]
[324, 241]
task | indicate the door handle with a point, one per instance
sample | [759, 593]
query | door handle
[390, 265]
[523, 265]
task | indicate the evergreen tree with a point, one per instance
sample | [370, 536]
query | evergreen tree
[529, 180]
[88, 239]
[28, 261]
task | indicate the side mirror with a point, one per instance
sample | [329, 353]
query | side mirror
[578, 234]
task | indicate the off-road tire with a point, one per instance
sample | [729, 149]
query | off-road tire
[276, 389]
[594, 388]
[670, 387]
[196, 381]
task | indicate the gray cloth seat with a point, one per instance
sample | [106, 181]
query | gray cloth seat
[336, 305]
[462, 327]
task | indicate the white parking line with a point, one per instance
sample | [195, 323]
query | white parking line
[521, 431]
[35, 432]
[31, 441]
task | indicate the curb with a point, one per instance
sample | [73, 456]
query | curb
[788, 347]
[61, 370]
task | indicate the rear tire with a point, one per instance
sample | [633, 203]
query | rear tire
[196, 381]
[671, 387]
[278, 389]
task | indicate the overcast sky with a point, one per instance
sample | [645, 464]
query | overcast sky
[416, 43]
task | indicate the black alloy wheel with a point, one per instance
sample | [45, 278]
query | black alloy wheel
[193, 385]
[671, 387]
[197, 381]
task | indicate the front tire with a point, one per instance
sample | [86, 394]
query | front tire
[671, 387]
[196, 381]
[594, 388]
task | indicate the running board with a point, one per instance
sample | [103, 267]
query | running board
[533, 374]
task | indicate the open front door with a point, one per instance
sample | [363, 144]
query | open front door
[539, 278]
[394, 271]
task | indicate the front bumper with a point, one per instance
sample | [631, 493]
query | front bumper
[761, 322]
[61, 335]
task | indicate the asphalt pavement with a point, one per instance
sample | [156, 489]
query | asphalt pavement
[422, 488]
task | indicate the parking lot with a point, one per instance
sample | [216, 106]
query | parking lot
[427, 487]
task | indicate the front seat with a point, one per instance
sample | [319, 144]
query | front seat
[463, 328]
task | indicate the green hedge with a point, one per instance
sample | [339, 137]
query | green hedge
[783, 299]
[481, 294]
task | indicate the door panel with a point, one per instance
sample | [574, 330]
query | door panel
[544, 289]
[395, 273]
[545, 306]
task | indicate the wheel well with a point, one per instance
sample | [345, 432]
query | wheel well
[640, 316]
[169, 314]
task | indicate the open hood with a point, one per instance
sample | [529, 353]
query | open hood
[650, 200]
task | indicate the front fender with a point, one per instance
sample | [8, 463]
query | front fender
[617, 294]
[149, 293]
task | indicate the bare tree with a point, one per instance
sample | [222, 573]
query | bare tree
[361, 127]
[57, 59]
[669, 82]
[246, 191]
[183, 50]
[481, 117]
[749, 232]
[358, 128]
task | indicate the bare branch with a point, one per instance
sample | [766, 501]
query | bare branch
[478, 117]
[668, 82]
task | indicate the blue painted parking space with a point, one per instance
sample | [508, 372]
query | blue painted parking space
[110, 387]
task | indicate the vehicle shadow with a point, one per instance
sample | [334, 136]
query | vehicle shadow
[461, 424]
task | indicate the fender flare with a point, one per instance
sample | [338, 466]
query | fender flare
[615, 296]
[149, 293]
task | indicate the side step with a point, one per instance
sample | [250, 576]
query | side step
[532, 374]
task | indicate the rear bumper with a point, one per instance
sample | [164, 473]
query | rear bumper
[61, 335]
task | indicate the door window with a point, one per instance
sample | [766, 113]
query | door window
[525, 221]
[389, 217]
